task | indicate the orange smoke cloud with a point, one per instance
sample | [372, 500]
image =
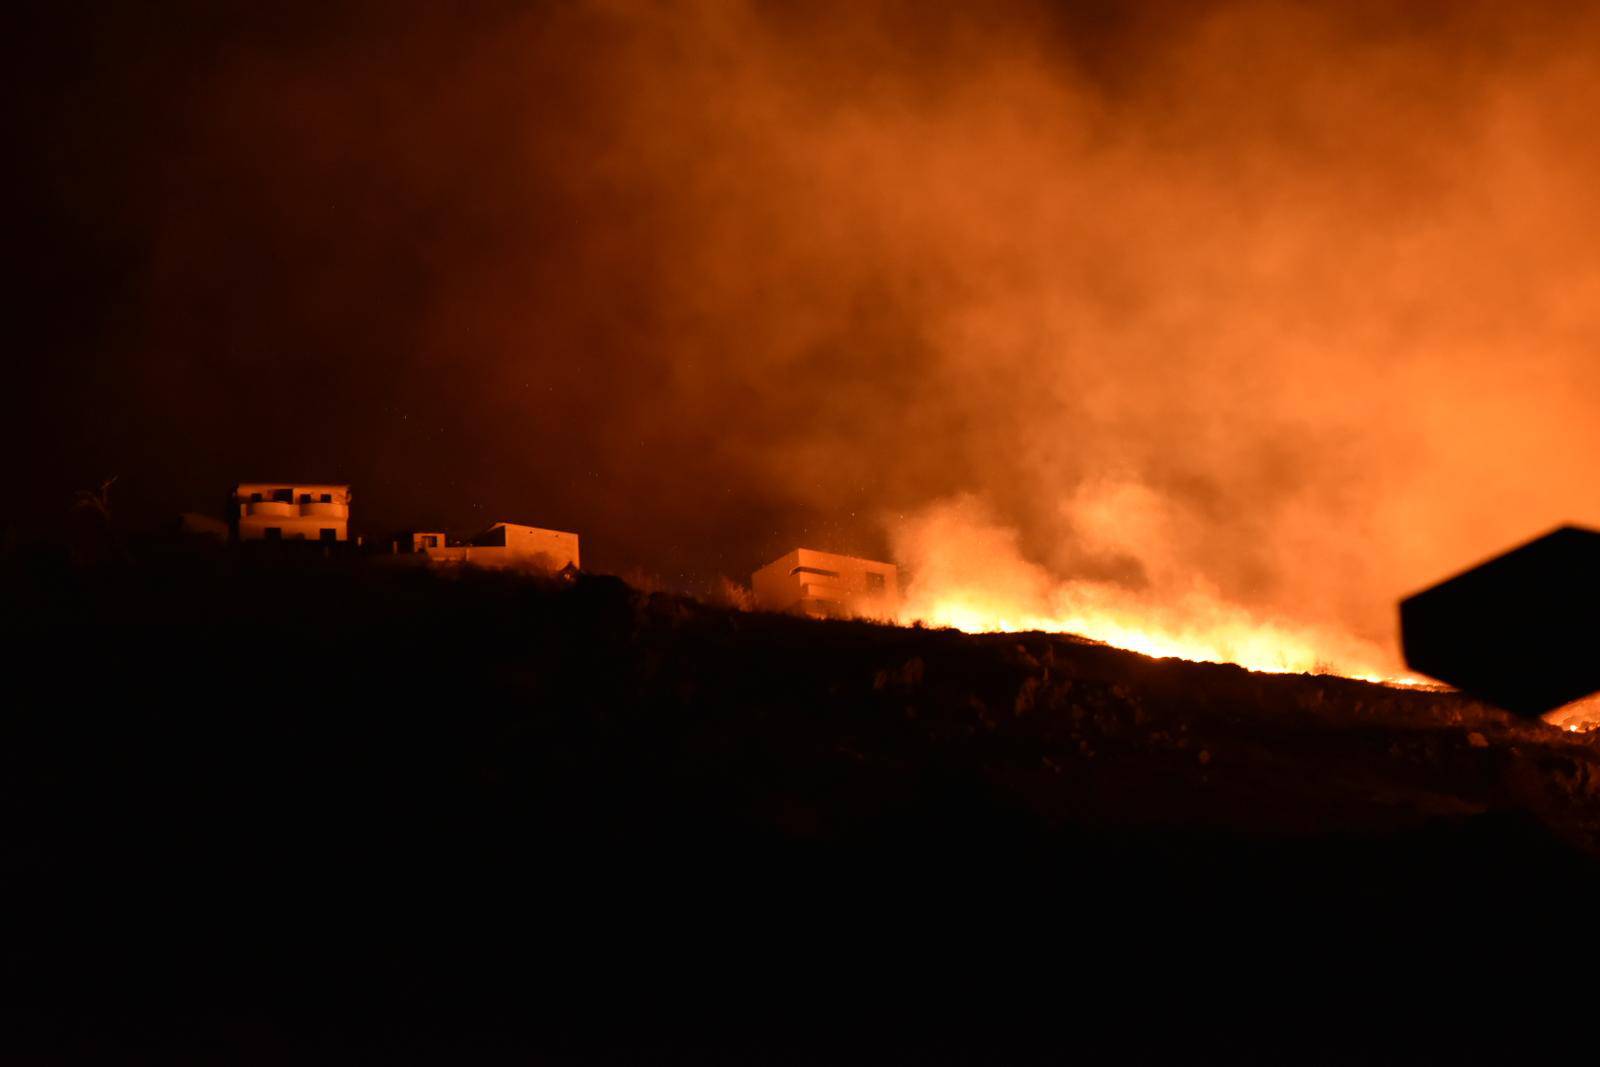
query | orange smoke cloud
[1293, 321]
[1213, 327]
[970, 574]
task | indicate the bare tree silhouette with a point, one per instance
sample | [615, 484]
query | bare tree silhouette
[90, 539]
[96, 500]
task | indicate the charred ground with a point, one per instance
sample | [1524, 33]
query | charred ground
[268, 806]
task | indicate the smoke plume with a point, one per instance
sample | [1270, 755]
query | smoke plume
[1248, 317]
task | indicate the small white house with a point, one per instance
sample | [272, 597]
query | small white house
[825, 584]
[290, 511]
[505, 544]
[421, 541]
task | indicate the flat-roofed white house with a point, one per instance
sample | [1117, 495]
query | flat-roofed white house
[505, 544]
[421, 540]
[825, 584]
[290, 511]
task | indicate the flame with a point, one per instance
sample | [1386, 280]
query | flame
[1204, 631]
[968, 573]
[1580, 716]
[1201, 629]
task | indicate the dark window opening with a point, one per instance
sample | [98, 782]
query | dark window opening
[326, 534]
[815, 570]
[284, 495]
[875, 581]
[495, 538]
[327, 498]
[274, 533]
[255, 498]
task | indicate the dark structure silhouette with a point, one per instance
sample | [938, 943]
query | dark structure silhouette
[1521, 631]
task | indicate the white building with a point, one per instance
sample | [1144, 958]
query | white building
[505, 544]
[290, 511]
[825, 584]
[421, 541]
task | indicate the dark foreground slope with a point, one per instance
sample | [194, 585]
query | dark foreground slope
[288, 810]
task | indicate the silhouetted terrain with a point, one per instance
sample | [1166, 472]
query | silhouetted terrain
[266, 810]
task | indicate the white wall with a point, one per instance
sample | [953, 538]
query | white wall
[824, 583]
[514, 546]
[303, 517]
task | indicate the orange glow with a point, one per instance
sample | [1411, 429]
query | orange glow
[967, 572]
[1209, 333]
[1200, 629]
[1580, 716]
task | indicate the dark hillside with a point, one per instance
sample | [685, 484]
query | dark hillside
[270, 810]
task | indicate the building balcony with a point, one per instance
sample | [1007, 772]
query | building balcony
[271, 509]
[322, 510]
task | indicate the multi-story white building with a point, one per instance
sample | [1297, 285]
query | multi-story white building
[290, 511]
[825, 584]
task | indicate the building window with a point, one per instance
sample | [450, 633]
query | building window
[285, 496]
[255, 498]
[305, 498]
[875, 582]
[273, 533]
[327, 498]
[815, 570]
[431, 541]
[326, 534]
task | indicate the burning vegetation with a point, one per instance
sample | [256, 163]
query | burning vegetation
[970, 575]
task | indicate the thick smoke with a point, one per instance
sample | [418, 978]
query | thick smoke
[1296, 305]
